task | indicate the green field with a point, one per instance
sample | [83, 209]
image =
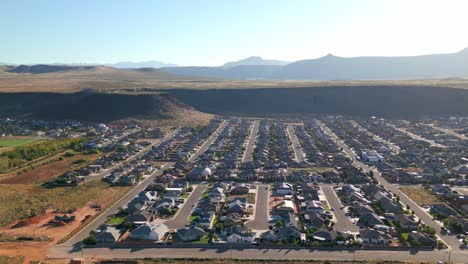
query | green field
[17, 142]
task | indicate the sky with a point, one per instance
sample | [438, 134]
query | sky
[212, 32]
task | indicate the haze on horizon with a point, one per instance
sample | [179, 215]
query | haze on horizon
[212, 33]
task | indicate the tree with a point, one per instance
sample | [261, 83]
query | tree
[127, 225]
[90, 240]
[279, 224]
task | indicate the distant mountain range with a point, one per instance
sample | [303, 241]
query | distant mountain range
[143, 64]
[331, 67]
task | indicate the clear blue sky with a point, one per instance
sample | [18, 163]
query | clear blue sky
[202, 32]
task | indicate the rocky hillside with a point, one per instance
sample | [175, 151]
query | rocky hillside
[98, 107]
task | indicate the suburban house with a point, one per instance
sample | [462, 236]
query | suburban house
[108, 235]
[419, 239]
[190, 233]
[145, 232]
[371, 236]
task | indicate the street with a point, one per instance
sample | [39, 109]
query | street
[448, 131]
[140, 153]
[414, 136]
[100, 219]
[208, 142]
[251, 142]
[452, 242]
[395, 149]
[181, 219]
[342, 221]
[260, 222]
[415, 256]
[298, 153]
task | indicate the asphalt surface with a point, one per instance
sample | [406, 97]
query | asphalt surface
[100, 219]
[414, 136]
[142, 152]
[448, 131]
[451, 241]
[260, 222]
[298, 153]
[342, 221]
[208, 142]
[262, 253]
[392, 146]
[181, 219]
[251, 144]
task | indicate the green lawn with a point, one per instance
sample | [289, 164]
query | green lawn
[202, 240]
[326, 207]
[17, 142]
[193, 218]
[116, 220]
[185, 195]
[251, 198]
[404, 236]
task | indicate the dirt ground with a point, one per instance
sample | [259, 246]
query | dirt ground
[420, 195]
[39, 226]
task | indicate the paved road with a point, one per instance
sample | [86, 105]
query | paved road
[448, 131]
[125, 134]
[208, 142]
[251, 143]
[260, 222]
[433, 143]
[342, 221]
[99, 220]
[142, 152]
[181, 219]
[452, 242]
[392, 146]
[262, 253]
[298, 153]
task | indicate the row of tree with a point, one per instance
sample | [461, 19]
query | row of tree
[22, 154]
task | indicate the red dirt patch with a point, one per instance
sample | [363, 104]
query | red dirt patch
[44, 225]
[39, 226]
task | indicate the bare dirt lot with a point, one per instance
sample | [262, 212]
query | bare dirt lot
[41, 226]
[420, 195]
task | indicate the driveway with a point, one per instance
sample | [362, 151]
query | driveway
[181, 219]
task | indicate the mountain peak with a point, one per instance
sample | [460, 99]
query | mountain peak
[254, 60]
